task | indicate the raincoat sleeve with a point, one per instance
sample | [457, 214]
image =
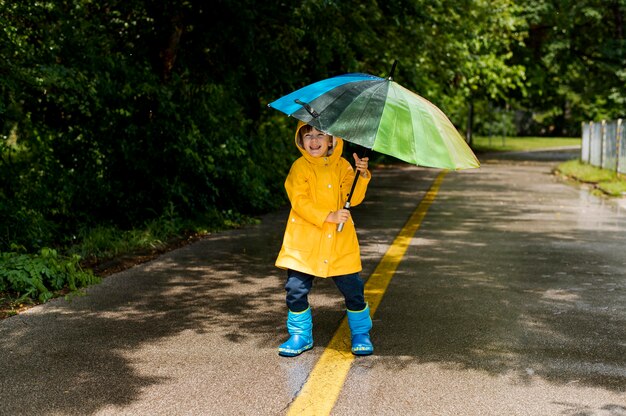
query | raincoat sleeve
[302, 203]
[347, 177]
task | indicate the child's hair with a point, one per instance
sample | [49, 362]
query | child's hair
[307, 128]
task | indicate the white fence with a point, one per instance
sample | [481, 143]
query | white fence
[604, 144]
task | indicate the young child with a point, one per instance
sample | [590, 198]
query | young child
[318, 185]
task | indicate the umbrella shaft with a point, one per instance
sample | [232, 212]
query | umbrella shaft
[347, 204]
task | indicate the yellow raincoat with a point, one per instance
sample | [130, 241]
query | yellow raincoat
[316, 187]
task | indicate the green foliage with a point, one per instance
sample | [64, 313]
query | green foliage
[104, 242]
[24, 226]
[574, 55]
[37, 276]
[108, 135]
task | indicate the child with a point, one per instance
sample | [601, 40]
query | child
[318, 185]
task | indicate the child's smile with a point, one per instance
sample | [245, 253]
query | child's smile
[316, 143]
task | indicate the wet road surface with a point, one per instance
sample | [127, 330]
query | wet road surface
[510, 301]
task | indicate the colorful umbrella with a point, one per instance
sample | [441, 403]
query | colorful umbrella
[379, 114]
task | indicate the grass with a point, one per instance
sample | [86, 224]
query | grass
[103, 243]
[609, 182]
[511, 144]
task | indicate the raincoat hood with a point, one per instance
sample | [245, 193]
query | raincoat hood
[334, 155]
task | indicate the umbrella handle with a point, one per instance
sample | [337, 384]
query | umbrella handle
[356, 178]
[341, 224]
[347, 204]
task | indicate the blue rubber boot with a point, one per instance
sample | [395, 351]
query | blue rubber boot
[300, 327]
[360, 324]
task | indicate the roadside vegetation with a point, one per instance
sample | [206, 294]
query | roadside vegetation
[605, 181]
[27, 278]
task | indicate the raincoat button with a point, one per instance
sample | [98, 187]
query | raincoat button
[293, 220]
[325, 261]
[330, 236]
[330, 186]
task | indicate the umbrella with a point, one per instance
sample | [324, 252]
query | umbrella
[379, 114]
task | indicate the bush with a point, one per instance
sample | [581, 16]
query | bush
[37, 276]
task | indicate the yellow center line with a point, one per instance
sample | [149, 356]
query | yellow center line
[322, 388]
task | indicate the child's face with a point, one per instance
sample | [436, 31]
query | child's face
[316, 143]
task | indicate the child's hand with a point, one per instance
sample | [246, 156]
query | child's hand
[337, 217]
[361, 164]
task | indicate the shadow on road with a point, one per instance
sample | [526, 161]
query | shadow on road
[73, 357]
[512, 277]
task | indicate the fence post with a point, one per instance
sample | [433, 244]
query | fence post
[582, 141]
[618, 140]
[590, 141]
[603, 141]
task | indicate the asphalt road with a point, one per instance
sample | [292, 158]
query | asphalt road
[509, 301]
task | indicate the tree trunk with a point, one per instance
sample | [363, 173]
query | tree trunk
[168, 55]
[619, 20]
[470, 123]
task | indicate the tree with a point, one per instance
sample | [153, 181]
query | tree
[575, 57]
[457, 52]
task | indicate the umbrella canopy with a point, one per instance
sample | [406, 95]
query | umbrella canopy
[381, 115]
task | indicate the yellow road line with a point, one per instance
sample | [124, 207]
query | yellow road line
[321, 390]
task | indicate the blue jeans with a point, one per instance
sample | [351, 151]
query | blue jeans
[299, 285]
